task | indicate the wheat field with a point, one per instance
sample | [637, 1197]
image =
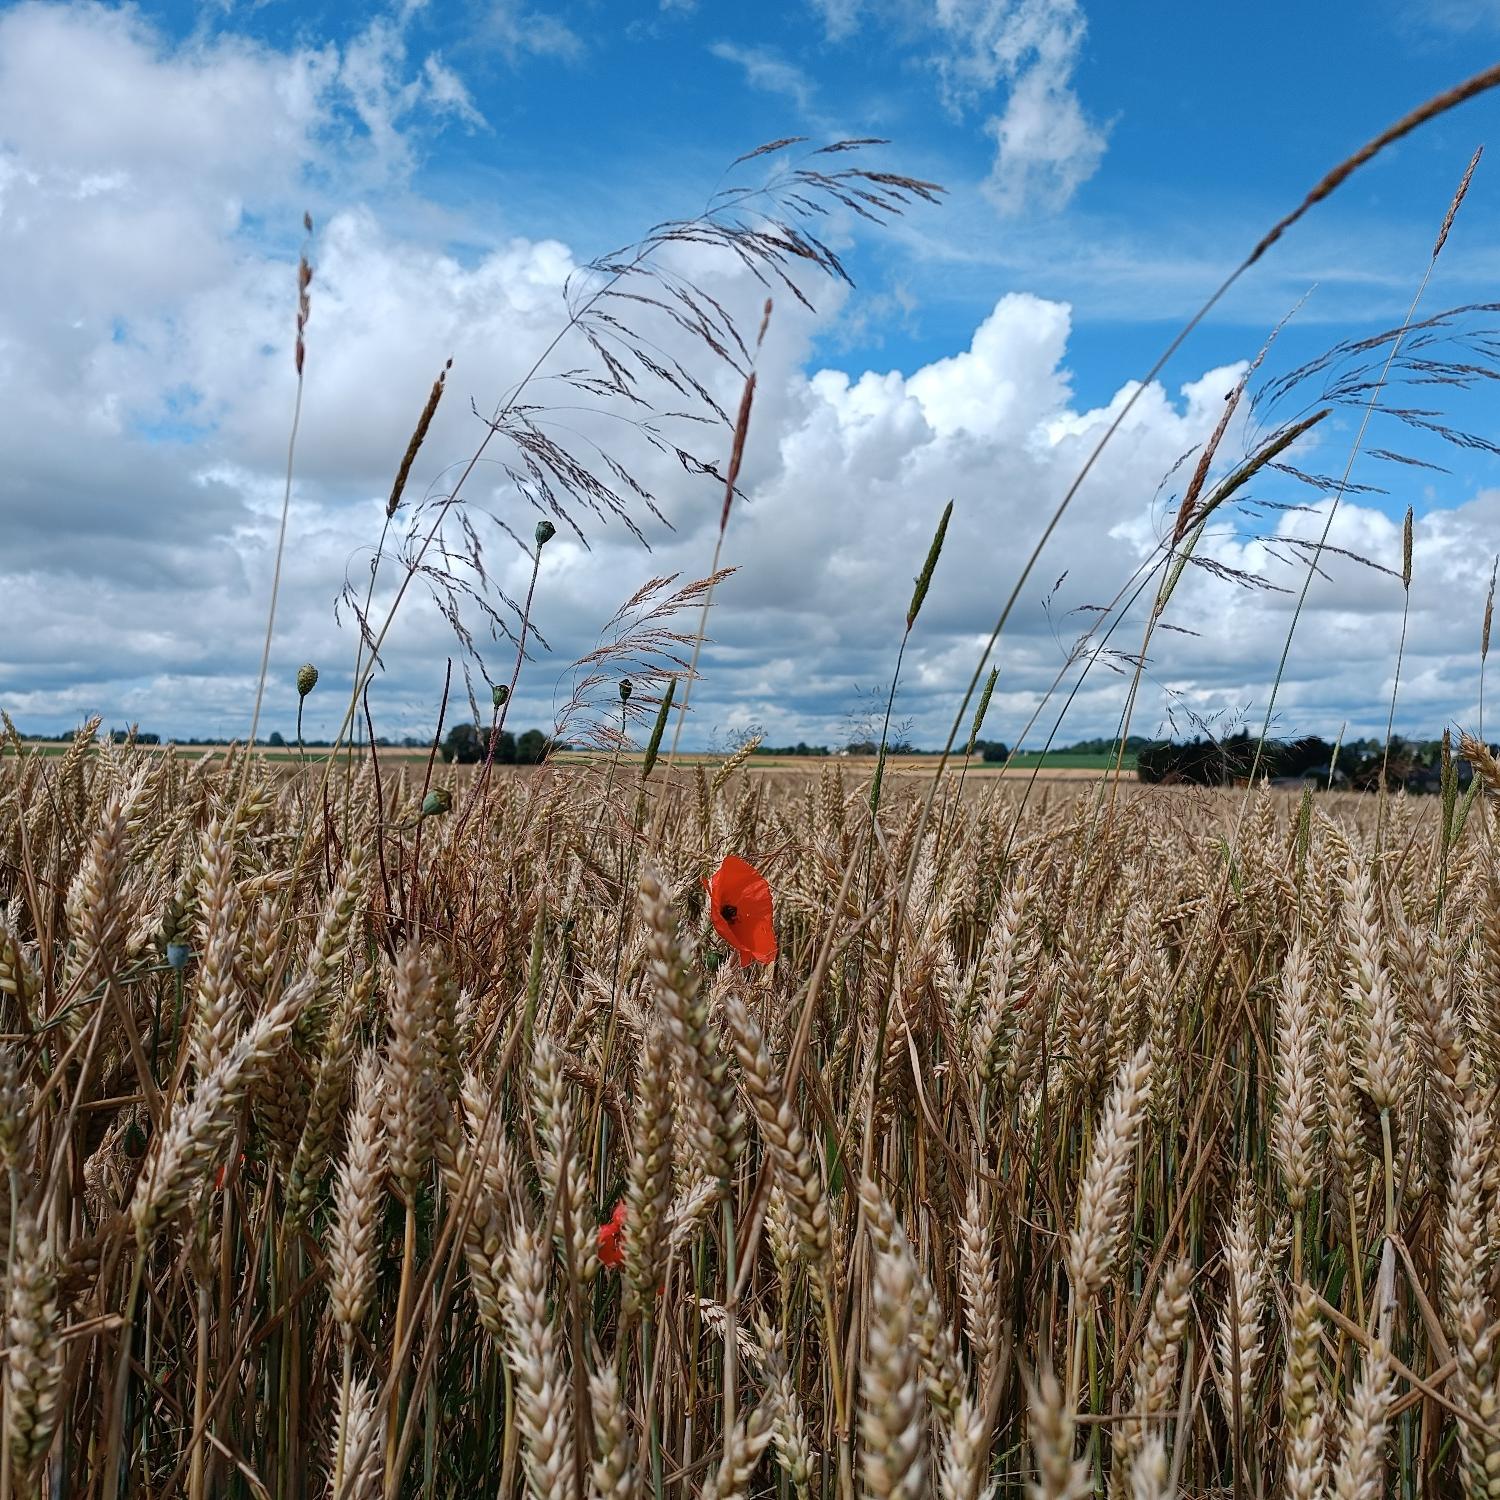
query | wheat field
[1120, 1140]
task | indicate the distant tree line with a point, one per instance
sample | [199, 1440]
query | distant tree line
[1357, 764]
[800, 748]
[463, 743]
[1201, 761]
[467, 744]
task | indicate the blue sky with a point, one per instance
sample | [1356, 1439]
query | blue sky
[1105, 165]
[598, 117]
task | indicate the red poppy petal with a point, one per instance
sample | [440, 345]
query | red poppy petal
[739, 884]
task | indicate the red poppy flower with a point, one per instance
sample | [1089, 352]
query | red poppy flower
[611, 1232]
[223, 1172]
[740, 904]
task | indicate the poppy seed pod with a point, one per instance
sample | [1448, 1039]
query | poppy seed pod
[177, 955]
[545, 531]
[307, 679]
[626, 688]
[438, 801]
[499, 695]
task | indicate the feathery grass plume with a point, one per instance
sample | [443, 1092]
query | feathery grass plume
[1294, 1130]
[1100, 1213]
[982, 710]
[613, 1472]
[358, 1441]
[713, 1124]
[892, 1428]
[1489, 616]
[1448, 783]
[418, 437]
[1302, 1400]
[544, 1407]
[358, 1195]
[1154, 1375]
[34, 1364]
[786, 1141]
[649, 1190]
[1058, 1475]
[1456, 204]
[1360, 1472]
[180, 1158]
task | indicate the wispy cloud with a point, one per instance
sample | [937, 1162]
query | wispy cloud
[766, 70]
[514, 31]
[840, 17]
[1046, 146]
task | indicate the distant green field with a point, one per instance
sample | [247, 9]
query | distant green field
[1066, 760]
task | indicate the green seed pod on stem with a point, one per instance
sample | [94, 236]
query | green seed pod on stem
[924, 578]
[658, 729]
[979, 713]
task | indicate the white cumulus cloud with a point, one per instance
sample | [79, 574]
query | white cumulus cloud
[145, 370]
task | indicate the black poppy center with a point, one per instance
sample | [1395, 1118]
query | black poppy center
[728, 912]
